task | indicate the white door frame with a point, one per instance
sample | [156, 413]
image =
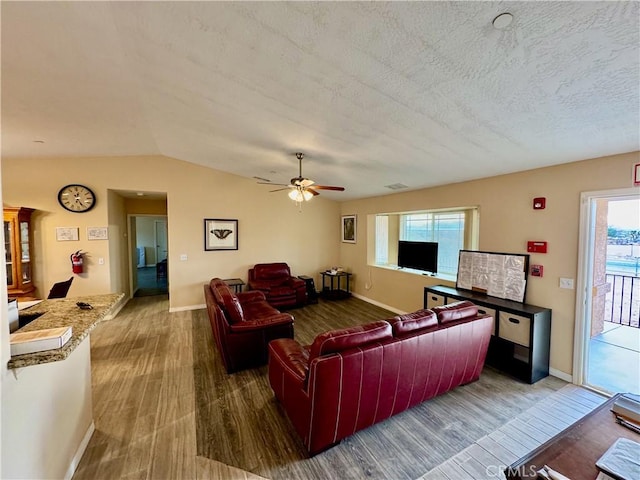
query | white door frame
[582, 331]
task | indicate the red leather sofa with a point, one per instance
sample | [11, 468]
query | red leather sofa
[243, 324]
[350, 379]
[277, 284]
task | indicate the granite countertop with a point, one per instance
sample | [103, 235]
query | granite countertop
[64, 312]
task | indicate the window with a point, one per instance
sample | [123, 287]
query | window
[382, 239]
[454, 230]
[445, 228]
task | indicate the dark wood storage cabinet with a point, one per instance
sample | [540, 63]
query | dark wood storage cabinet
[521, 333]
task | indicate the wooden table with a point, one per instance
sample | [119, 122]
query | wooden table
[574, 451]
[335, 291]
[235, 283]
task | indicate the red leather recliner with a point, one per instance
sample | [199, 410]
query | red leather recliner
[243, 324]
[277, 284]
[352, 378]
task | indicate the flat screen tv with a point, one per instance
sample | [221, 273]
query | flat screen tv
[418, 255]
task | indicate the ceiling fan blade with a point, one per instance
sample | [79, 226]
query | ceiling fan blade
[314, 192]
[275, 184]
[329, 187]
[280, 189]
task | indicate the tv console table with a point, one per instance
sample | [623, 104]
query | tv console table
[521, 337]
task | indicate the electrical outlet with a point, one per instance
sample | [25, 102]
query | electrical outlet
[183, 257]
[100, 261]
[566, 283]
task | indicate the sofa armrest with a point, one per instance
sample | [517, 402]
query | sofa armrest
[291, 356]
[296, 282]
[262, 323]
[251, 296]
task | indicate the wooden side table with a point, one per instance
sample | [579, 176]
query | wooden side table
[236, 283]
[334, 290]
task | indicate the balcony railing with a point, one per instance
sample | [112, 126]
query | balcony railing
[623, 300]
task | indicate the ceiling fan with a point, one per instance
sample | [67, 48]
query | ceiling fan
[302, 189]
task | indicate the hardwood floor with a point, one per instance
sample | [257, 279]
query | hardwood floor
[165, 408]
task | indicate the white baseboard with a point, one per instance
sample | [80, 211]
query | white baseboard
[187, 307]
[117, 307]
[561, 375]
[379, 304]
[75, 461]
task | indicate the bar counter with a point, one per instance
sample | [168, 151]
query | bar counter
[64, 312]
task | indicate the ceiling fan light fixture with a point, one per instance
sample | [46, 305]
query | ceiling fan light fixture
[296, 195]
[293, 195]
[300, 195]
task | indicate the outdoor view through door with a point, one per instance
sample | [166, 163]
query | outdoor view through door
[613, 348]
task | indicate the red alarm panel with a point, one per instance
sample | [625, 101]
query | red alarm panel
[537, 247]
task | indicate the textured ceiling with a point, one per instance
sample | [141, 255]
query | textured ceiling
[419, 93]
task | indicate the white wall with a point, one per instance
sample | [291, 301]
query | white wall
[46, 413]
[146, 237]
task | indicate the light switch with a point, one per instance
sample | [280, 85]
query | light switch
[566, 283]
[183, 257]
[100, 261]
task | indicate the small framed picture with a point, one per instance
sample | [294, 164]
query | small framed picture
[220, 234]
[67, 234]
[349, 228]
[97, 233]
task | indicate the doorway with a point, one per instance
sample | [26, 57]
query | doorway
[607, 338]
[149, 236]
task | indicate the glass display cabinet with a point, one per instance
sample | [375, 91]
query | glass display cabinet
[17, 248]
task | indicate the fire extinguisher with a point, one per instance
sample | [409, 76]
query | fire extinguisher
[76, 261]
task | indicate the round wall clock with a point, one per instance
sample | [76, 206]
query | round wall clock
[76, 198]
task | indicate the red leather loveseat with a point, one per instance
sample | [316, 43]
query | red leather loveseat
[243, 324]
[350, 379]
[277, 284]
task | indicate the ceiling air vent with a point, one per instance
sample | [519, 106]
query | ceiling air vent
[396, 186]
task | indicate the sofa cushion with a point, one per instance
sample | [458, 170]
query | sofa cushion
[229, 303]
[455, 311]
[338, 340]
[412, 322]
[271, 271]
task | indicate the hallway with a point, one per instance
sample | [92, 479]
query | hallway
[150, 283]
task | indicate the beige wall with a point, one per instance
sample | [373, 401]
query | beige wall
[118, 252]
[270, 226]
[507, 221]
[144, 206]
[4, 340]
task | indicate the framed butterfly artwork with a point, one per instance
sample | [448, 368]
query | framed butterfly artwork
[220, 234]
